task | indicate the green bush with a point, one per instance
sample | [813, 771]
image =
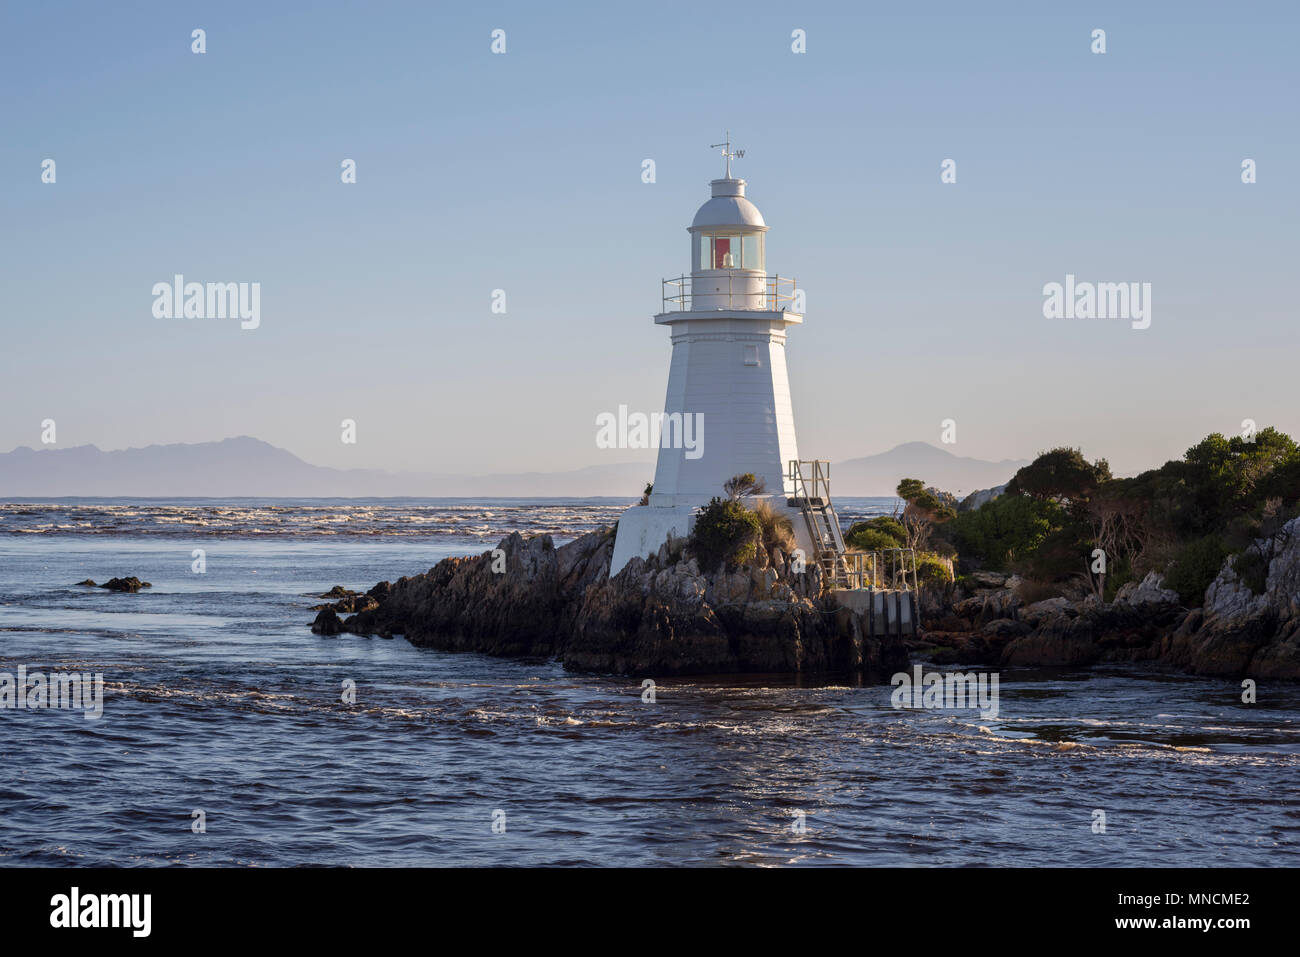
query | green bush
[1061, 475]
[870, 540]
[725, 531]
[1194, 566]
[931, 571]
[876, 534]
[1006, 529]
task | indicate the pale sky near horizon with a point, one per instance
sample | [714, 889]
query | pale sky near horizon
[522, 172]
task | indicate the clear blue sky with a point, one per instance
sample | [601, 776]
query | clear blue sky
[522, 172]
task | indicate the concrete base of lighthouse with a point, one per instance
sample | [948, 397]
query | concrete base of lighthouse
[643, 529]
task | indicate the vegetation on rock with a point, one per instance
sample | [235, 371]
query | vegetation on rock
[876, 534]
[1182, 520]
[725, 532]
[925, 509]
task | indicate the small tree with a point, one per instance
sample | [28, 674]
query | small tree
[924, 510]
[645, 496]
[745, 485]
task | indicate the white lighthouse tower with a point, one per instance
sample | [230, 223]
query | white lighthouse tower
[728, 323]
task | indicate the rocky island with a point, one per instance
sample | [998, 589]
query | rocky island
[662, 615]
[1195, 566]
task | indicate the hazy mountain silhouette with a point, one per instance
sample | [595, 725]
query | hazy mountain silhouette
[246, 466]
[880, 474]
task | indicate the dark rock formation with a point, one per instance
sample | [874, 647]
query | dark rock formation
[131, 584]
[1238, 633]
[1241, 633]
[1092, 631]
[349, 605]
[661, 616]
[327, 623]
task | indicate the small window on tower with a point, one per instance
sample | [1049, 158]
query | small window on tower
[751, 355]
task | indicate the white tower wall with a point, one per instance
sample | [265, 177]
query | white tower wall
[731, 371]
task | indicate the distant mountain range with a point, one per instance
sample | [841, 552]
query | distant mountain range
[936, 467]
[246, 466]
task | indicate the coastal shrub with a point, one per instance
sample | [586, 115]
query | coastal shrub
[931, 570]
[1062, 475]
[1195, 565]
[1064, 554]
[1005, 530]
[725, 531]
[876, 534]
[777, 529]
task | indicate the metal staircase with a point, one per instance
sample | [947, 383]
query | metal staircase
[812, 496]
[881, 585]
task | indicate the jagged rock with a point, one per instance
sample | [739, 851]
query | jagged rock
[988, 606]
[1150, 591]
[351, 604]
[1035, 613]
[1006, 628]
[1094, 632]
[1237, 633]
[327, 623]
[338, 591]
[131, 584]
[988, 579]
[1243, 634]
[661, 615]
[89, 583]
[980, 498]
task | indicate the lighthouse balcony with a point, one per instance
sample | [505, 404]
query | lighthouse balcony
[732, 290]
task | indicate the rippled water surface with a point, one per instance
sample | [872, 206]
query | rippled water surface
[218, 698]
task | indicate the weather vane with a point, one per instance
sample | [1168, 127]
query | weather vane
[726, 152]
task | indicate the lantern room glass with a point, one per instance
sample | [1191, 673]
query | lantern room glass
[731, 251]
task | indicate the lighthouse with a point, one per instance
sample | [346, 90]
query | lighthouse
[728, 322]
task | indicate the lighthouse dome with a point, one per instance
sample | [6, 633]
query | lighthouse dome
[728, 207]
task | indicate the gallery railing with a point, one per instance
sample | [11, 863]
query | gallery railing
[753, 291]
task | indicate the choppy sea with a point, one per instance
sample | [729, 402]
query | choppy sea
[221, 707]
